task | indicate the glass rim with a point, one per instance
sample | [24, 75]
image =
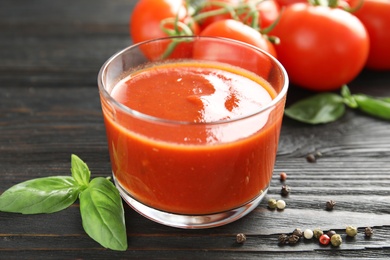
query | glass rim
[144, 116]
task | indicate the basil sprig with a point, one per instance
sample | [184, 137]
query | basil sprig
[101, 206]
[328, 107]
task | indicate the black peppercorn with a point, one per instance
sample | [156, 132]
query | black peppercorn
[240, 238]
[368, 232]
[298, 232]
[331, 233]
[283, 239]
[285, 190]
[311, 158]
[293, 239]
[330, 204]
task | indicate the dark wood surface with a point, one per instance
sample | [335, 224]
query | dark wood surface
[50, 54]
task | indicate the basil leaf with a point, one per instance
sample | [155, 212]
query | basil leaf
[319, 109]
[42, 195]
[386, 99]
[80, 171]
[348, 99]
[103, 215]
[373, 106]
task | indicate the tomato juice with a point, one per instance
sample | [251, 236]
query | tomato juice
[193, 137]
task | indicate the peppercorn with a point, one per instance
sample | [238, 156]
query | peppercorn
[336, 240]
[311, 158]
[351, 231]
[330, 204]
[317, 233]
[280, 204]
[272, 203]
[298, 232]
[283, 239]
[368, 232]
[240, 238]
[293, 239]
[283, 176]
[324, 239]
[285, 190]
[330, 233]
[308, 234]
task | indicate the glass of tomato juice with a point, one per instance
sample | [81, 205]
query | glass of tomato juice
[192, 127]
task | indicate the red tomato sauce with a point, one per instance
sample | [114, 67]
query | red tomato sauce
[201, 158]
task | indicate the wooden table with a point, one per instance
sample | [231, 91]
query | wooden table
[50, 54]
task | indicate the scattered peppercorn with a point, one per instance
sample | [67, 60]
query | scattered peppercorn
[330, 233]
[330, 204]
[368, 232]
[293, 239]
[336, 240]
[272, 203]
[311, 158]
[298, 232]
[308, 234]
[324, 239]
[283, 176]
[317, 233]
[283, 239]
[240, 238]
[280, 204]
[285, 190]
[351, 231]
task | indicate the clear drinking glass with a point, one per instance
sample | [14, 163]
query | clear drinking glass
[191, 174]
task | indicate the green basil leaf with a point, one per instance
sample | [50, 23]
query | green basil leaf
[80, 171]
[386, 99]
[103, 215]
[348, 99]
[373, 106]
[319, 109]
[42, 195]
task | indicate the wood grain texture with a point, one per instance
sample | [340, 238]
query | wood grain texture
[50, 108]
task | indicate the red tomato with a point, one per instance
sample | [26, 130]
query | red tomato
[147, 15]
[375, 15]
[320, 47]
[268, 10]
[289, 2]
[234, 53]
[236, 30]
[145, 24]
[215, 5]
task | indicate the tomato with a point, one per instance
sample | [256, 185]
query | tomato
[213, 6]
[375, 15]
[321, 48]
[145, 24]
[147, 15]
[236, 30]
[268, 12]
[233, 52]
[283, 3]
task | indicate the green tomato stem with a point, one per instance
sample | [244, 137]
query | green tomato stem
[234, 11]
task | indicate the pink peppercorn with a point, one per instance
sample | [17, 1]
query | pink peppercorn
[324, 239]
[283, 176]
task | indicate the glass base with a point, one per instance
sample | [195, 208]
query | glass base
[190, 221]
